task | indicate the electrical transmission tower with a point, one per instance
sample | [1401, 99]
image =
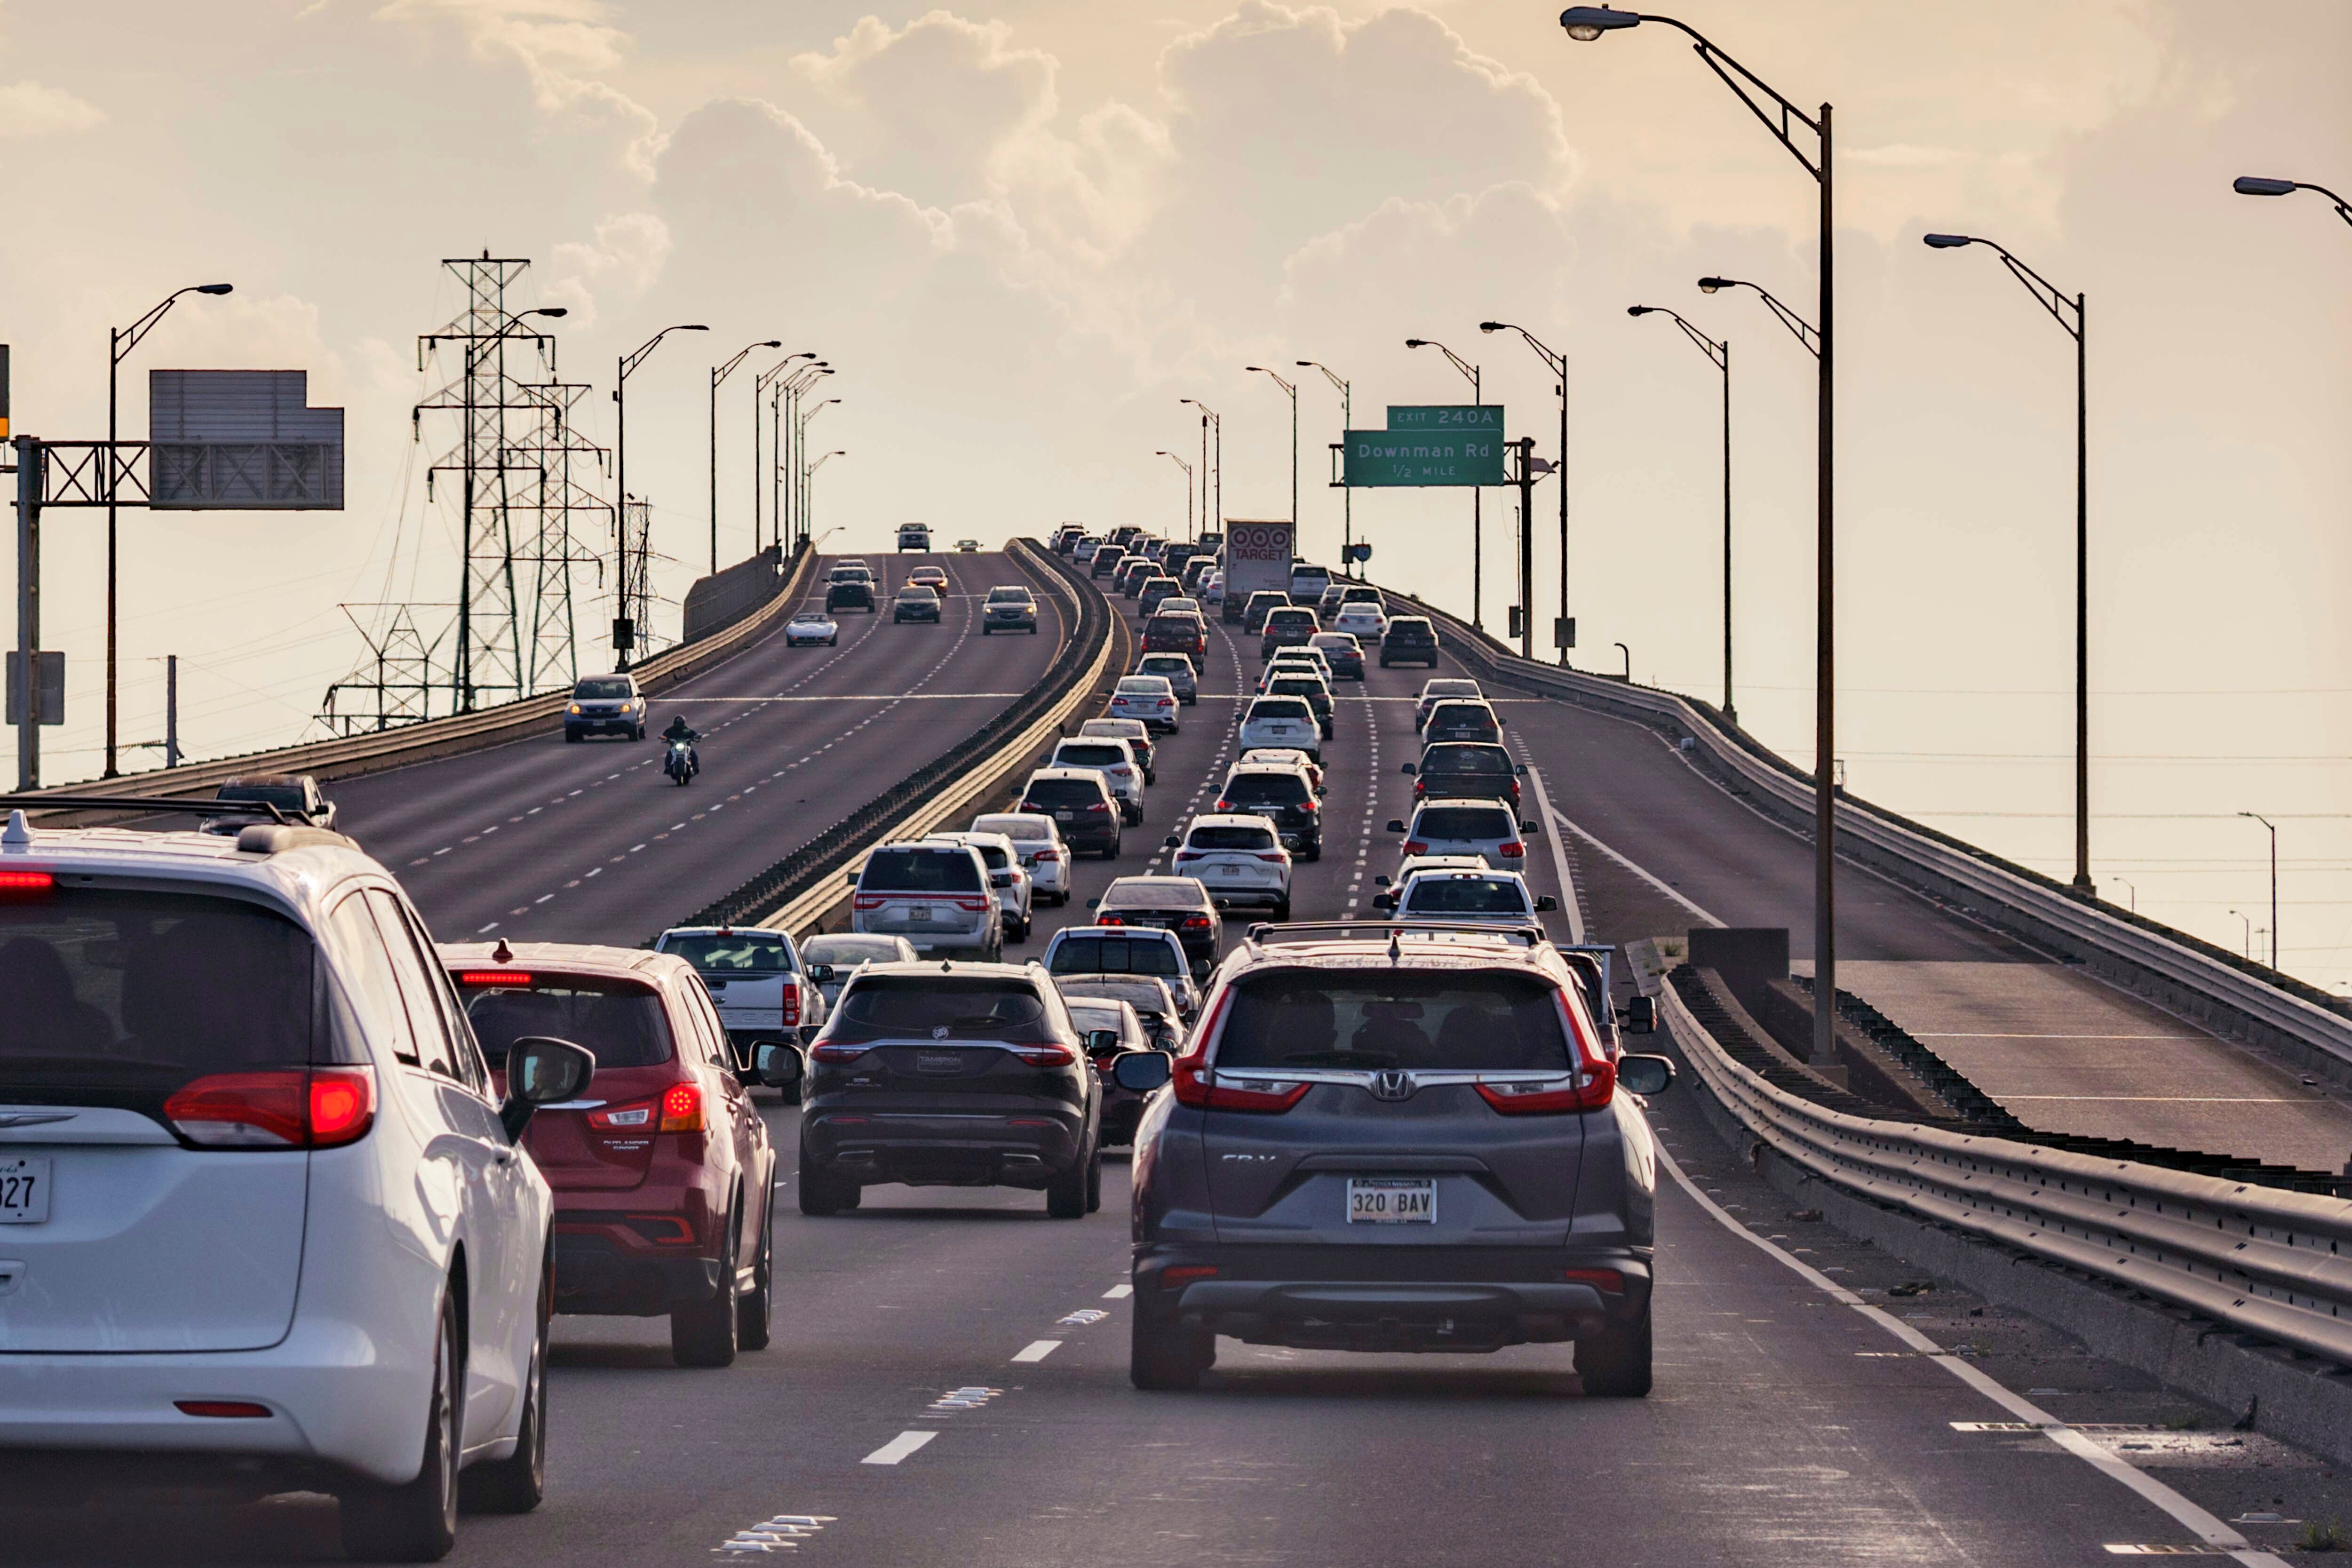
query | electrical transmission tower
[395, 682]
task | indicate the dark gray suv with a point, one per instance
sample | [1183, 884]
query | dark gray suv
[1397, 1139]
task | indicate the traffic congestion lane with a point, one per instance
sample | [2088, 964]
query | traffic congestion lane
[555, 842]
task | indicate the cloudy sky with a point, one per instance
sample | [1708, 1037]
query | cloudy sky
[1025, 229]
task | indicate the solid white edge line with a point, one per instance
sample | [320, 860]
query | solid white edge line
[2205, 1526]
[1569, 905]
[898, 1447]
[1561, 821]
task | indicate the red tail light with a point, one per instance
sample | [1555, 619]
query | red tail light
[1045, 1055]
[320, 1108]
[1603, 1279]
[25, 887]
[869, 900]
[971, 905]
[638, 1116]
[1588, 1088]
[1110, 919]
[492, 977]
[682, 1109]
[1049, 856]
[837, 1053]
[1195, 1085]
[1196, 922]
[1185, 1273]
[1513, 850]
[1223, 805]
[1099, 806]
[791, 1002]
[1415, 846]
[1276, 856]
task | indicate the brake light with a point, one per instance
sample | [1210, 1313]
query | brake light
[25, 887]
[1110, 919]
[869, 900]
[1415, 846]
[1099, 806]
[622, 1118]
[492, 977]
[321, 1108]
[1604, 1280]
[837, 1053]
[791, 1002]
[1045, 1055]
[1049, 856]
[1512, 849]
[1196, 922]
[1225, 805]
[1195, 1085]
[682, 1109]
[1276, 856]
[972, 904]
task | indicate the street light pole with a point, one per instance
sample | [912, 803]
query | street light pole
[118, 344]
[1557, 363]
[1787, 122]
[1291, 388]
[1347, 493]
[2047, 296]
[1217, 467]
[624, 628]
[810, 498]
[800, 452]
[717, 374]
[785, 408]
[2266, 822]
[760, 384]
[2256, 185]
[1470, 372]
[1188, 488]
[1719, 355]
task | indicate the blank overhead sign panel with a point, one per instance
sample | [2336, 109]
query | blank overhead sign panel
[241, 440]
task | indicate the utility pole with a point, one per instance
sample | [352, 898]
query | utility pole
[28, 612]
[170, 709]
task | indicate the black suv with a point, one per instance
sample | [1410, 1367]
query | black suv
[1396, 1139]
[1410, 639]
[958, 1075]
[1283, 796]
[1080, 803]
[849, 594]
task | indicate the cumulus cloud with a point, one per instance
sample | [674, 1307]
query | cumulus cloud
[29, 108]
[623, 261]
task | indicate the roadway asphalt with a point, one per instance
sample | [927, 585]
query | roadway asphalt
[948, 1380]
[542, 841]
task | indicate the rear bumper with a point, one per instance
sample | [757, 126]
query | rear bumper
[596, 1275]
[1392, 1299]
[962, 1150]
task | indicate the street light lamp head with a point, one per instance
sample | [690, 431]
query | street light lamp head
[691, 327]
[1709, 285]
[1639, 310]
[1491, 326]
[216, 287]
[1946, 241]
[1416, 342]
[773, 343]
[2257, 186]
[1256, 367]
[552, 312]
[1586, 23]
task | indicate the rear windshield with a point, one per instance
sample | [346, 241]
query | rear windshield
[1145, 685]
[1269, 596]
[1466, 896]
[1437, 689]
[1301, 686]
[1460, 716]
[1231, 838]
[600, 691]
[1090, 756]
[844, 949]
[1279, 708]
[1115, 956]
[736, 952]
[1466, 760]
[1119, 728]
[1290, 617]
[1465, 822]
[921, 871]
[132, 990]
[1018, 828]
[1266, 789]
[916, 592]
[1155, 894]
[1168, 664]
[1066, 792]
[1411, 631]
[1389, 1018]
[620, 1022]
[946, 1007]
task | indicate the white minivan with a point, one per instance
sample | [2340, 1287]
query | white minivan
[266, 1217]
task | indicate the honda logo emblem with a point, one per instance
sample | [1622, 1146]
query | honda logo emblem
[1393, 1083]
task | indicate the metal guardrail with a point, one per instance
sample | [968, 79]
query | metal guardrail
[796, 892]
[351, 755]
[2169, 968]
[2263, 1261]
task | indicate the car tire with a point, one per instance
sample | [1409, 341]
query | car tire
[1093, 1178]
[821, 1192]
[703, 1333]
[755, 1313]
[789, 1096]
[570, 737]
[1065, 1195]
[417, 1523]
[1282, 910]
[1112, 852]
[1616, 1364]
[1168, 1358]
[983, 631]
[518, 1483]
[1311, 852]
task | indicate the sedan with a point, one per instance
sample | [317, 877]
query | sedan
[1113, 1029]
[1150, 698]
[930, 577]
[1341, 652]
[1178, 903]
[1361, 618]
[915, 602]
[811, 628]
[1178, 670]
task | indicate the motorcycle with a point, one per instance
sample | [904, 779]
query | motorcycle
[681, 764]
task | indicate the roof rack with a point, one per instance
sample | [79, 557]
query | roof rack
[136, 802]
[1529, 935]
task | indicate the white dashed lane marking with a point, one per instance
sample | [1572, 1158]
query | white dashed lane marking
[899, 1448]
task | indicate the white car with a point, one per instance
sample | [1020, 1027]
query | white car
[1178, 605]
[1137, 736]
[1150, 698]
[1178, 668]
[1465, 896]
[1438, 689]
[845, 952]
[1212, 589]
[1295, 660]
[1239, 860]
[265, 1212]
[938, 896]
[1361, 618]
[811, 628]
[1281, 722]
[1039, 844]
[1485, 828]
[1113, 760]
[1016, 894]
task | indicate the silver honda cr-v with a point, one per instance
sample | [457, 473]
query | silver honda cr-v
[1398, 1139]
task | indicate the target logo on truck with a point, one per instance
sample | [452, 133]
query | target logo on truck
[1257, 560]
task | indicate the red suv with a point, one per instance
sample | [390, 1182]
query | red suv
[663, 1179]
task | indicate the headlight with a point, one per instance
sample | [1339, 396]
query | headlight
[575, 708]
[626, 706]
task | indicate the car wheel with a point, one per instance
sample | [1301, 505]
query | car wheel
[570, 737]
[416, 1522]
[1311, 851]
[822, 1193]
[518, 1483]
[1065, 1195]
[1616, 1364]
[702, 1333]
[1093, 1178]
[755, 1313]
[1167, 1357]
[1282, 910]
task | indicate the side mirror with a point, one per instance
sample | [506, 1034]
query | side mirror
[1644, 1075]
[1545, 903]
[1173, 841]
[1380, 881]
[1640, 1015]
[1101, 1041]
[1383, 901]
[1143, 1071]
[775, 1064]
[1520, 772]
[1093, 903]
[850, 877]
[542, 1071]
[1408, 770]
[820, 973]
[1531, 830]
[1396, 825]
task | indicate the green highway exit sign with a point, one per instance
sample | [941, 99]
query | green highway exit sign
[1437, 456]
[1482, 418]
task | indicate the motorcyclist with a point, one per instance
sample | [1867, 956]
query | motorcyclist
[680, 731]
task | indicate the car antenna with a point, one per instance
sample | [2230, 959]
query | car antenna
[1393, 953]
[502, 953]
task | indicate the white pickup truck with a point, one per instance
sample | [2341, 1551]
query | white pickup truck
[763, 990]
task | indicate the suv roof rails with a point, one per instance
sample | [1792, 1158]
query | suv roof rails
[1263, 934]
[145, 804]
